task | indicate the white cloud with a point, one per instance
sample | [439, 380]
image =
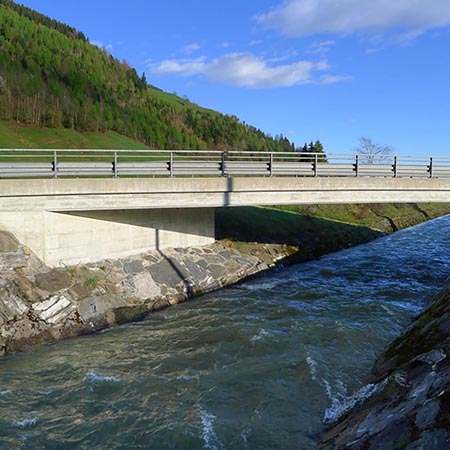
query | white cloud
[323, 65]
[323, 44]
[331, 79]
[99, 44]
[180, 66]
[321, 48]
[188, 49]
[247, 70]
[309, 17]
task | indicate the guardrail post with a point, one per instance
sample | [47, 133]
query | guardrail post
[315, 165]
[357, 165]
[55, 164]
[271, 164]
[430, 167]
[171, 164]
[222, 163]
[115, 165]
[395, 167]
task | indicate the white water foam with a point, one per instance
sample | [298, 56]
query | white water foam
[44, 392]
[312, 367]
[263, 285]
[188, 377]
[388, 310]
[4, 393]
[208, 434]
[98, 378]
[341, 402]
[245, 434]
[416, 309]
[262, 334]
[25, 423]
[337, 407]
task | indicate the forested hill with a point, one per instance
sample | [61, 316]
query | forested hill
[51, 75]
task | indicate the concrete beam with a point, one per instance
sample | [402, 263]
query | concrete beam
[159, 193]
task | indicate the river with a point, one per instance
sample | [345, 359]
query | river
[261, 365]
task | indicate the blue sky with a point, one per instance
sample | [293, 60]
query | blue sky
[309, 69]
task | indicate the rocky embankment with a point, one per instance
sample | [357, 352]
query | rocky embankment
[410, 407]
[39, 304]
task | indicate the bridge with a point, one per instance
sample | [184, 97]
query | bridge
[71, 206]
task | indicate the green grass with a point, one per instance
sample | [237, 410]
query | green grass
[178, 102]
[112, 140]
[91, 283]
[18, 136]
[13, 135]
[305, 225]
[171, 99]
[270, 225]
[376, 216]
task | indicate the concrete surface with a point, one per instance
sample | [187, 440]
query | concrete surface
[157, 193]
[61, 238]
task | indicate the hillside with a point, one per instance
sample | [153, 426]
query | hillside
[52, 76]
[14, 135]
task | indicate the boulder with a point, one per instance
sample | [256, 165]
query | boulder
[8, 243]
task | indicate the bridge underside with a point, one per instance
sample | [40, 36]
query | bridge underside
[67, 221]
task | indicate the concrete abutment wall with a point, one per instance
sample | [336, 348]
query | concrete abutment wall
[88, 236]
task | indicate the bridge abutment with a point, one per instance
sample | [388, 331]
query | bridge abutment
[89, 236]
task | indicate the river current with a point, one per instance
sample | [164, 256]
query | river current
[261, 365]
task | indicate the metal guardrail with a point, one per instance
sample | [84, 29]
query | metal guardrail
[19, 163]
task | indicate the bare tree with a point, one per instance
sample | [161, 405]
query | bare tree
[372, 153]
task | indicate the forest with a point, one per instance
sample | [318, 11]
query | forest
[51, 75]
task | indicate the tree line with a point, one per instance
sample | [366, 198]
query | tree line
[313, 148]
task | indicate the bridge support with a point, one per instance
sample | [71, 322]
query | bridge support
[82, 220]
[88, 236]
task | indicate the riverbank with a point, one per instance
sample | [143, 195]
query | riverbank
[410, 405]
[39, 304]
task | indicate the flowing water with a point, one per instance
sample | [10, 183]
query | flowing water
[261, 365]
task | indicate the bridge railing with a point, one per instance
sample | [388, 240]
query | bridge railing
[24, 163]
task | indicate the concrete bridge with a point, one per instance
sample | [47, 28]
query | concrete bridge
[69, 209]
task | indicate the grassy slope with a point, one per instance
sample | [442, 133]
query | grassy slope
[246, 228]
[177, 102]
[13, 135]
[267, 225]
[318, 229]
[383, 217]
